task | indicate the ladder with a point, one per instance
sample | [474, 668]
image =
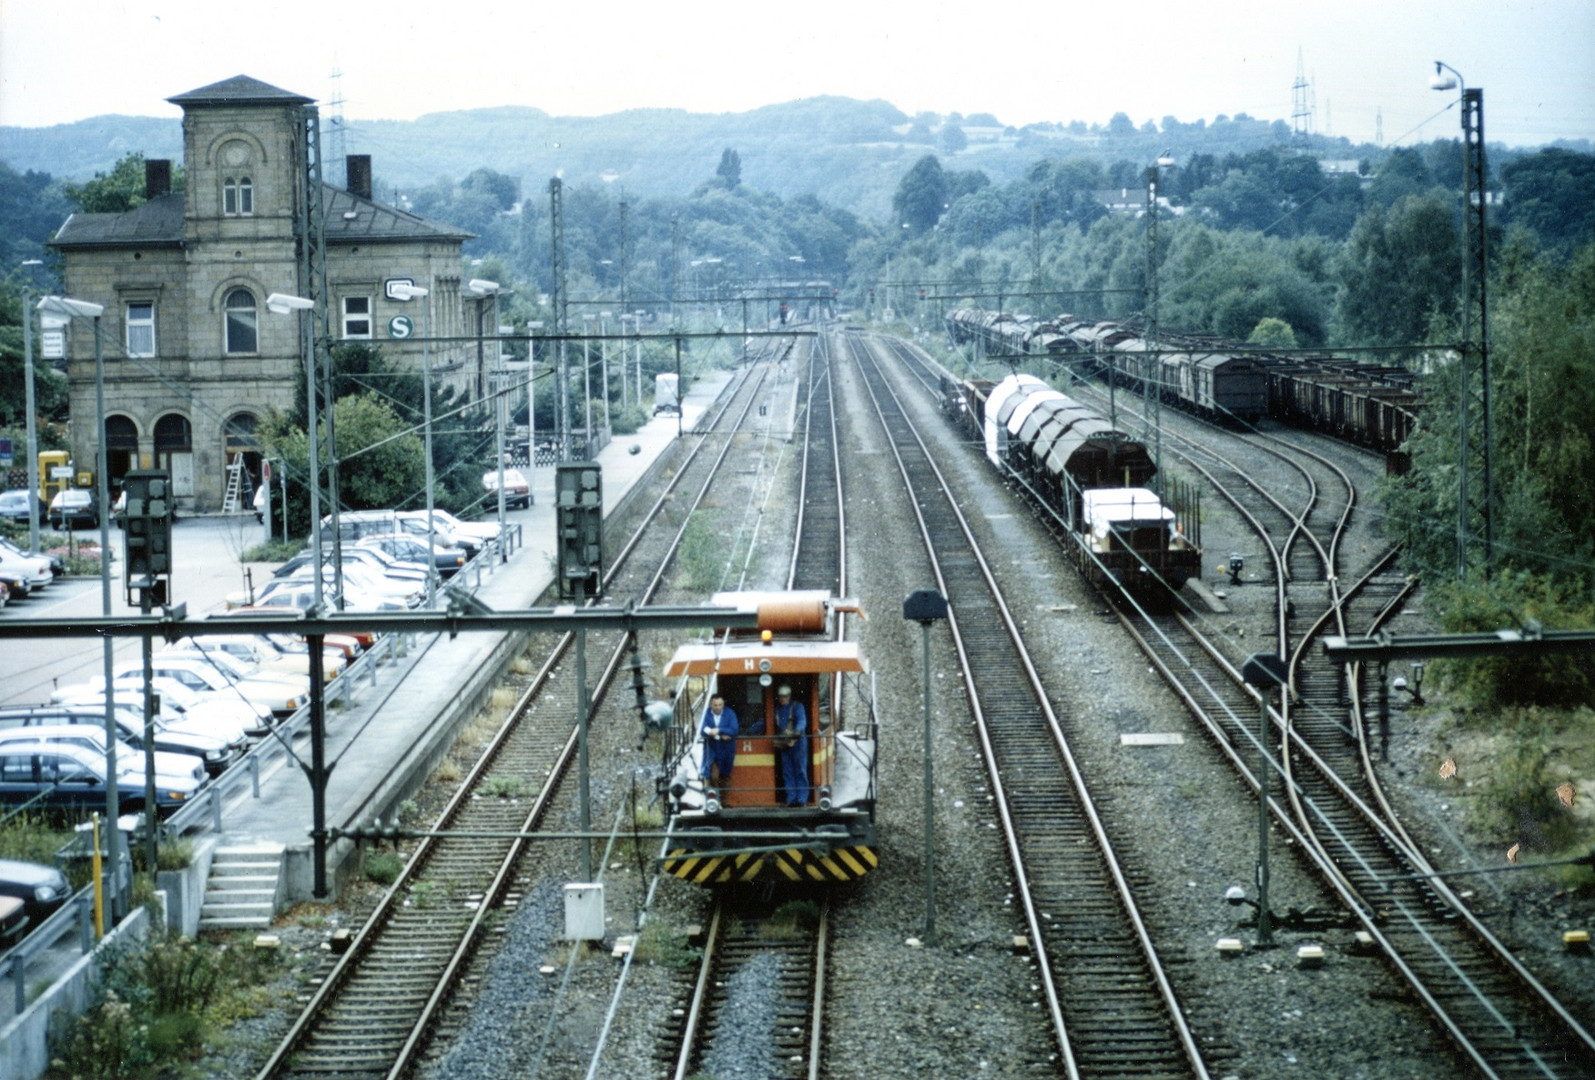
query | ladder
[237, 480]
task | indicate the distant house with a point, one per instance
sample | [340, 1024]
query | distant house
[192, 357]
[1131, 202]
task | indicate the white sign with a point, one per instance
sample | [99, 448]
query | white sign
[60, 472]
[53, 345]
[388, 286]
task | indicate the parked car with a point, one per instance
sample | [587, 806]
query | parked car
[406, 548]
[359, 524]
[13, 921]
[485, 532]
[14, 504]
[174, 731]
[34, 571]
[74, 507]
[70, 780]
[56, 563]
[517, 491]
[261, 651]
[42, 889]
[92, 738]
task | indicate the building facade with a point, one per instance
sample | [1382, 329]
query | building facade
[193, 358]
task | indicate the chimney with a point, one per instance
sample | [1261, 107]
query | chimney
[357, 168]
[157, 178]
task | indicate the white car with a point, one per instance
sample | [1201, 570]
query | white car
[517, 491]
[32, 570]
[172, 732]
[222, 717]
[264, 653]
[218, 672]
[483, 532]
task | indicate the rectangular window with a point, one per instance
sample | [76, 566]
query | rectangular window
[141, 328]
[230, 197]
[356, 316]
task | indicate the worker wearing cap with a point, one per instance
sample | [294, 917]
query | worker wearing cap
[792, 746]
[719, 730]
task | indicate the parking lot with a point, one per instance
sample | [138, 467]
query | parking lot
[207, 569]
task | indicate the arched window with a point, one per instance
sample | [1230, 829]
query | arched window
[240, 321]
[173, 434]
[238, 197]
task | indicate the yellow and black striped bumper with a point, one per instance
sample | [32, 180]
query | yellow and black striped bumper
[846, 863]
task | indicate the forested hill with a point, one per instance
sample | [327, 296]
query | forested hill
[850, 153]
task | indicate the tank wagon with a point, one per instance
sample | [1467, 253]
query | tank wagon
[1088, 477]
[750, 826]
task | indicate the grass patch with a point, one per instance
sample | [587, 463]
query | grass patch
[480, 731]
[30, 838]
[793, 918]
[447, 772]
[666, 945]
[503, 786]
[502, 699]
[382, 867]
[702, 555]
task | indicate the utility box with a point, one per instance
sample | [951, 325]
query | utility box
[584, 912]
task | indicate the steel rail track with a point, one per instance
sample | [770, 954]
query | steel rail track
[1497, 1015]
[747, 942]
[819, 555]
[1111, 1004]
[376, 1009]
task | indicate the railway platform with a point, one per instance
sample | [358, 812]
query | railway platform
[401, 724]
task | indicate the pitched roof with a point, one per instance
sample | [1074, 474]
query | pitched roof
[352, 220]
[239, 90]
[159, 221]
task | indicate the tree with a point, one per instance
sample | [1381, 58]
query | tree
[1120, 124]
[118, 191]
[1400, 268]
[730, 169]
[921, 195]
[1272, 333]
[1549, 193]
[953, 138]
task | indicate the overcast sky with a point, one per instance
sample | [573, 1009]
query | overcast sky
[1023, 60]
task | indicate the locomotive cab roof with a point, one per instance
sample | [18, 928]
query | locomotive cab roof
[794, 637]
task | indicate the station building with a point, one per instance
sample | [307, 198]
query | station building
[193, 359]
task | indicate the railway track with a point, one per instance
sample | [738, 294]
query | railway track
[377, 1010]
[758, 999]
[759, 995]
[1110, 1003]
[1502, 1021]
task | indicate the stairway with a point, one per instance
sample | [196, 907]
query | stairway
[241, 893]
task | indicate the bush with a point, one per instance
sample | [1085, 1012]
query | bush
[702, 556]
[383, 867]
[1508, 599]
[1520, 800]
[629, 421]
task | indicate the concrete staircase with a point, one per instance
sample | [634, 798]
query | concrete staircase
[242, 891]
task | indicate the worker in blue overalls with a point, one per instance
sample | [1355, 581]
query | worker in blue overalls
[792, 746]
[719, 730]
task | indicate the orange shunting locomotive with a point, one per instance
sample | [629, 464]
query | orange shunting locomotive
[770, 758]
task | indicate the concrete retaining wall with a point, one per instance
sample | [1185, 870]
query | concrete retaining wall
[25, 1042]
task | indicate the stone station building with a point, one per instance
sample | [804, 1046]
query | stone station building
[193, 359]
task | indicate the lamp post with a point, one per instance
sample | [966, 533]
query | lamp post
[926, 606]
[63, 307]
[284, 304]
[33, 409]
[1154, 362]
[1474, 268]
[482, 290]
[407, 292]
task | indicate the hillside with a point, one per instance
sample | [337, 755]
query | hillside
[850, 153]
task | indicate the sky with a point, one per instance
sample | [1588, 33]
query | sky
[1022, 60]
